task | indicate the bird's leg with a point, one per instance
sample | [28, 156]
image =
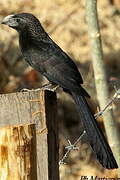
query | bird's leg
[46, 86]
[50, 87]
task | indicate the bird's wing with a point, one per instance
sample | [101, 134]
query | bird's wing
[60, 69]
[55, 64]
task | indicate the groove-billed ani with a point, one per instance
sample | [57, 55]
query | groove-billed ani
[41, 52]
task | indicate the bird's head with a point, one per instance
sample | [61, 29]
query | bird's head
[22, 21]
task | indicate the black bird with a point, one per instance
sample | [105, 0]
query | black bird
[44, 55]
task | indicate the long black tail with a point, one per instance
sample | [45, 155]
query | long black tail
[94, 133]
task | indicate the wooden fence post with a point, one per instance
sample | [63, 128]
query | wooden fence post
[24, 109]
[18, 152]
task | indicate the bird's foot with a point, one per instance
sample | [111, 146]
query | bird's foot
[50, 87]
[29, 90]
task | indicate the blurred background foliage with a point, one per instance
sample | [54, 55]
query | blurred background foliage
[65, 21]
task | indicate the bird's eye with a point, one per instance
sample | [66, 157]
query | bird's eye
[18, 20]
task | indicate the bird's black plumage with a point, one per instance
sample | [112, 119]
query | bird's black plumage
[44, 55]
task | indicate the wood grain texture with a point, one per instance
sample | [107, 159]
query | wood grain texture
[37, 107]
[17, 146]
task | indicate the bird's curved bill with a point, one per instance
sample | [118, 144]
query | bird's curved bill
[9, 20]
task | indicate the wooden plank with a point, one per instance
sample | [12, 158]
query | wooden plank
[17, 146]
[37, 107]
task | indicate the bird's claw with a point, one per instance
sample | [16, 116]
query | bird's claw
[29, 90]
[50, 87]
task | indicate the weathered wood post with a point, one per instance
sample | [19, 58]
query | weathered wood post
[18, 152]
[29, 136]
